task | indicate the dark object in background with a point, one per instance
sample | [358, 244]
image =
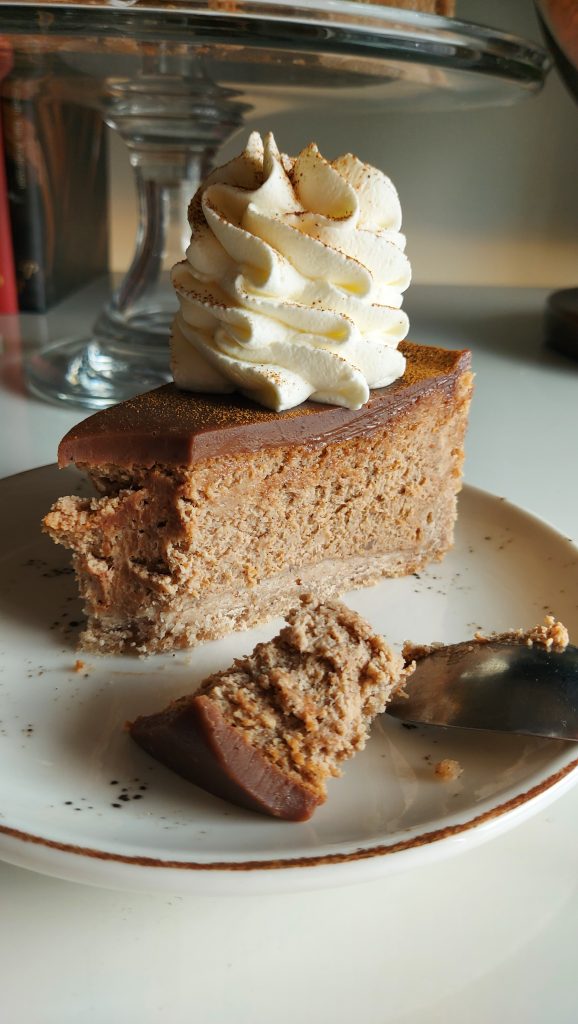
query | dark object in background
[559, 22]
[561, 322]
[56, 174]
[8, 294]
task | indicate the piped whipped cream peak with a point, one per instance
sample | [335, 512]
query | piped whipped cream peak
[293, 280]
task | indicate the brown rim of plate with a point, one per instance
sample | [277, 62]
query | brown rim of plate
[425, 839]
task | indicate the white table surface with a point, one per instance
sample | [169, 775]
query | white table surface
[490, 935]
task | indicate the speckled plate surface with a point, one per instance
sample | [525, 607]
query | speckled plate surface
[79, 800]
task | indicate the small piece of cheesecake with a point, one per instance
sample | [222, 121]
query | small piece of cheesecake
[215, 514]
[268, 732]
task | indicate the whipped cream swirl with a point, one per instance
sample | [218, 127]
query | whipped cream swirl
[293, 280]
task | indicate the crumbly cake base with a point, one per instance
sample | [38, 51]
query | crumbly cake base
[186, 624]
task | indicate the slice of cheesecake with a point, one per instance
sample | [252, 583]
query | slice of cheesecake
[268, 732]
[216, 514]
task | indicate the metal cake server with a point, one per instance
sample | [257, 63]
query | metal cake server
[501, 686]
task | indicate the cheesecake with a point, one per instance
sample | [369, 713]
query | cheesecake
[212, 514]
[268, 732]
[304, 446]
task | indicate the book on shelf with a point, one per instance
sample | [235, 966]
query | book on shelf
[57, 187]
[8, 292]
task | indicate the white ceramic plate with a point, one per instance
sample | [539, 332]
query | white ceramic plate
[79, 800]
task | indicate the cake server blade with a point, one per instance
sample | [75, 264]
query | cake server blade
[502, 686]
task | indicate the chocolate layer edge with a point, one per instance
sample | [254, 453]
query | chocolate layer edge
[193, 739]
[170, 427]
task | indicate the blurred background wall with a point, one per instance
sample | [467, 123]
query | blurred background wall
[489, 196]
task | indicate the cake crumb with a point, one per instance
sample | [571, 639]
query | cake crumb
[297, 707]
[448, 770]
[415, 652]
[552, 635]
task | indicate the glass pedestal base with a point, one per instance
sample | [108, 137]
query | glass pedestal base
[94, 373]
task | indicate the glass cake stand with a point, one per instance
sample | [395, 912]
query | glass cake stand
[176, 80]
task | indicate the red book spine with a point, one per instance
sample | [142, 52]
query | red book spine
[8, 288]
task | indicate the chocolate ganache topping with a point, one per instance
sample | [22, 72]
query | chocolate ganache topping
[172, 427]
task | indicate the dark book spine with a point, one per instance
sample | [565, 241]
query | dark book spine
[57, 188]
[8, 292]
